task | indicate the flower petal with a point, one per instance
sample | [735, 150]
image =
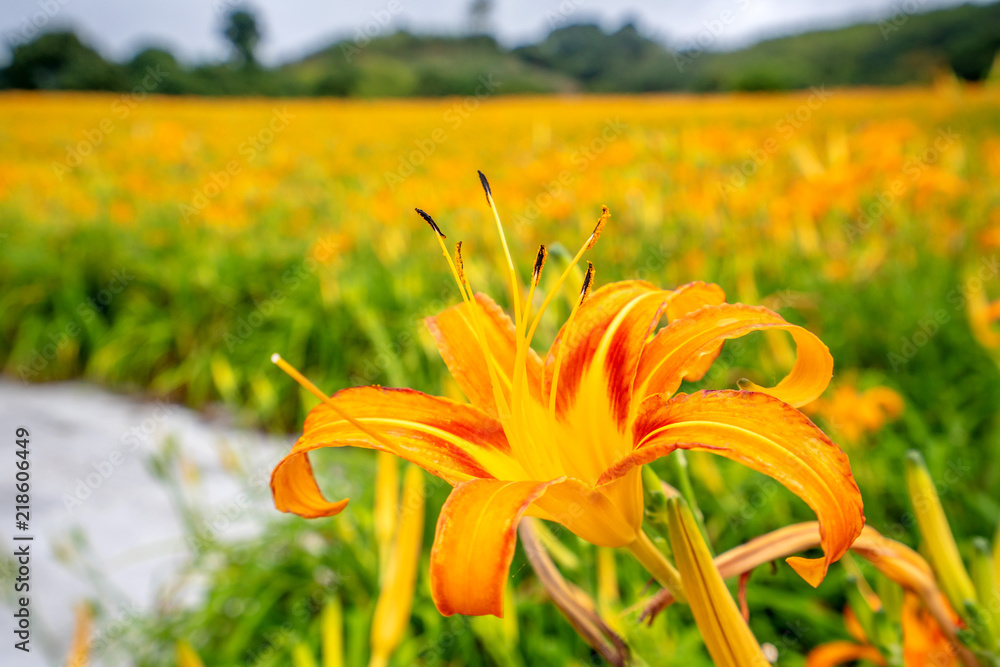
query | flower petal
[689, 298]
[766, 435]
[600, 349]
[454, 332]
[474, 544]
[454, 441]
[608, 516]
[679, 350]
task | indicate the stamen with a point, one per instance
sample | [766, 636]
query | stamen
[605, 215]
[522, 351]
[459, 264]
[492, 366]
[315, 391]
[469, 300]
[536, 273]
[486, 185]
[603, 220]
[430, 221]
[506, 250]
[588, 281]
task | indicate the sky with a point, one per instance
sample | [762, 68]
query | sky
[292, 28]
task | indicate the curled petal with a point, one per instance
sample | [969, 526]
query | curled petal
[474, 544]
[454, 331]
[766, 435]
[453, 441]
[689, 298]
[679, 350]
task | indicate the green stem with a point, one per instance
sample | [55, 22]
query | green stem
[657, 565]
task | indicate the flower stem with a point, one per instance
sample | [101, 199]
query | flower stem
[657, 565]
[679, 468]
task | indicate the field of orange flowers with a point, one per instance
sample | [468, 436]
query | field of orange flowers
[169, 246]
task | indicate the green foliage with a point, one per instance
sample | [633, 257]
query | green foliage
[60, 61]
[898, 50]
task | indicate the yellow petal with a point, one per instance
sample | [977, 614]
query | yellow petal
[679, 348]
[766, 435]
[609, 516]
[726, 635]
[392, 610]
[474, 544]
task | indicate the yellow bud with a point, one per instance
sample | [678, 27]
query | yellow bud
[392, 611]
[332, 633]
[987, 585]
[302, 656]
[386, 498]
[936, 533]
[79, 651]
[727, 636]
[186, 656]
[996, 554]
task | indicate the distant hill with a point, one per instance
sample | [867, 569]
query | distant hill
[903, 49]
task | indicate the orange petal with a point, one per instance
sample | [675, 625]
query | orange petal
[688, 299]
[841, 652]
[474, 544]
[924, 642]
[454, 441]
[454, 331]
[602, 345]
[769, 436]
[679, 350]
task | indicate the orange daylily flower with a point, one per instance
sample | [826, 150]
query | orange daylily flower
[564, 437]
[851, 413]
[983, 316]
[924, 642]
